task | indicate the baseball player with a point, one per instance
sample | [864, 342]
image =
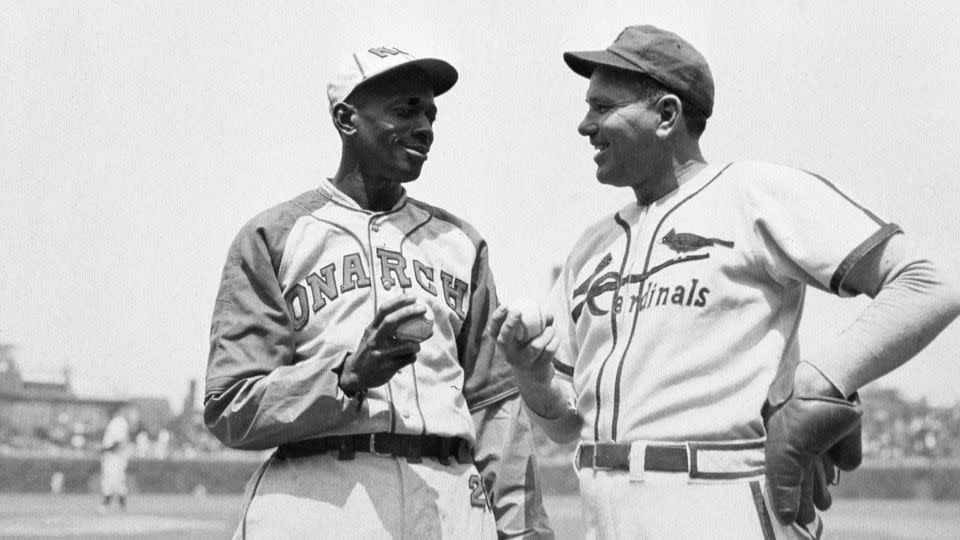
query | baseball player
[114, 458]
[673, 354]
[376, 436]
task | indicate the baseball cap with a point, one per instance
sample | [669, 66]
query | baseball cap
[368, 64]
[659, 54]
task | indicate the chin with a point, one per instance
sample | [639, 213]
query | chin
[609, 180]
[409, 174]
[404, 177]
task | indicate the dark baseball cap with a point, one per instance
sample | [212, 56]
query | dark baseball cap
[659, 54]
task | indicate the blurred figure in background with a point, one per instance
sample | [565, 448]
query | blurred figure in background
[114, 457]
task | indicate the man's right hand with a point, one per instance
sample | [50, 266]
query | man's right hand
[533, 372]
[380, 354]
[532, 359]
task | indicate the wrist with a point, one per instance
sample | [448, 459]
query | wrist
[810, 381]
[533, 380]
[347, 380]
[350, 385]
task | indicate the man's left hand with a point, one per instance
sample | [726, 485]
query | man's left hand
[807, 435]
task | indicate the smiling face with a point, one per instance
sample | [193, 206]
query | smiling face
[622, 126]
[394, 122]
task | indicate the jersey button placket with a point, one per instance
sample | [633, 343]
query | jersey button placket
[401, 384]
[376, 240]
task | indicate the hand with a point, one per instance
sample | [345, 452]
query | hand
[807, 435]
[533, 358]
[845, 455]
[380, 355]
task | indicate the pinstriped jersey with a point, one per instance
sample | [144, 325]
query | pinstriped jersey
[675, 318]
[301, 283]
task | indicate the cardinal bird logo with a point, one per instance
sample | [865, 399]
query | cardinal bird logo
[684, 242]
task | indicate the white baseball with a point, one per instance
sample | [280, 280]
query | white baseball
[531, 317]
[416, 328]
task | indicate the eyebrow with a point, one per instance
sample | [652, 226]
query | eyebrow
[606, 100]
[411, 101]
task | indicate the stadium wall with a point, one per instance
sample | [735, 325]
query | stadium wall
[29, 474]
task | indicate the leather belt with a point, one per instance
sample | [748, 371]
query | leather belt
[660, 457]
[412, 447]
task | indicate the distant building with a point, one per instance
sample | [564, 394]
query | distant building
[155, 414]
[47, 408]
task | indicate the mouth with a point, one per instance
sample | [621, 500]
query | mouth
[416, 151]
[600, 148]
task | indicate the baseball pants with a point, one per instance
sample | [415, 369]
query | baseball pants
[113, 474]
[724, 498]
[370, 496]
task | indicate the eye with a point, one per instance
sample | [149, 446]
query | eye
[601, 108]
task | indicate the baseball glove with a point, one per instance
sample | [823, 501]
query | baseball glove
[808, 438]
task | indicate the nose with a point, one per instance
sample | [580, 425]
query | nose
[423, 132]
[588, 126]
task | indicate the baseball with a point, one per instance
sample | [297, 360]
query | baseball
[416, 328]
[531, 317]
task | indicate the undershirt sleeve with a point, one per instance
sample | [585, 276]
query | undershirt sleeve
[914, 299]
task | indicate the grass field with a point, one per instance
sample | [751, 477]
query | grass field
[181, 517]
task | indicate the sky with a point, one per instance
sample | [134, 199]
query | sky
[138, 137]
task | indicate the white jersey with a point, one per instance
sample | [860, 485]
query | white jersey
[675, 318]
[117, 435]
[301, 283]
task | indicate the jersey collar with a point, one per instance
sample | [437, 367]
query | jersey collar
[330, 191]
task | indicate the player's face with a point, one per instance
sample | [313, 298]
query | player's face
[623, 130]
[395, 128]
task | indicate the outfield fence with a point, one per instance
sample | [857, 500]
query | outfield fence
[916, 479]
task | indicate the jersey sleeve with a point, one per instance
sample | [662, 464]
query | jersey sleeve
[809, 230]
[487, 377]
[258, 395]
[506, 458]
[504, 453]
[558, 305]
[115, 433]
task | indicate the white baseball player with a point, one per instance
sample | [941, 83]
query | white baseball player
[377, 436]
[675, 318]
[114, 458]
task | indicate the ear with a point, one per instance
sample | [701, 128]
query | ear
[345, 118]
[670, 110]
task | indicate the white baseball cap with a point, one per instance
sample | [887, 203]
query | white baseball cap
[368, 64]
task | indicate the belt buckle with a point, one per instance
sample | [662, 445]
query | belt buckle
[373, 447]
[596, 453]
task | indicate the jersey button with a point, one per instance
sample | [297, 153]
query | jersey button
[374, 227]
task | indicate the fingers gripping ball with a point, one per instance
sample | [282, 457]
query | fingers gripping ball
[418, 328]
[532, 318]
[800, 432]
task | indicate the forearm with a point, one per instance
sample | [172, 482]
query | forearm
[551, 403]
[911, 308]
[289, 404]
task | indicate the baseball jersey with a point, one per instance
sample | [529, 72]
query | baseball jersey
[301, 283]
[674, 318]
[116, 435]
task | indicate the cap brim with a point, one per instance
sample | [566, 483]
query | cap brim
[584, 62]
[440, 74]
